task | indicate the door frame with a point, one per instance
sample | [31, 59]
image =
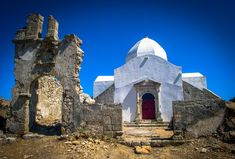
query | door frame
[141, 88]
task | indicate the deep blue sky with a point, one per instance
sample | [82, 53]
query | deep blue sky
[197, 35]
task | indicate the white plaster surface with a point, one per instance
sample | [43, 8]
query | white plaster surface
[194, 74]
[104, 78]
[146, 46]
[195, 79]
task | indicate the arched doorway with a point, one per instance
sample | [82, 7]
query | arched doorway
[148, 106]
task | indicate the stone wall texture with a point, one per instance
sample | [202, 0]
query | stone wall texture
[193, 93]
[49, 101]
[198, 117]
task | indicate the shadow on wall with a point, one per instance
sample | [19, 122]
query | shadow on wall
[129, 105]
[2, 124]
[46, 130]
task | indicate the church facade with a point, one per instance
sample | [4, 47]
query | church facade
[146, 85]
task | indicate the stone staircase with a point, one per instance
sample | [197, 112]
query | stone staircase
[149, 133]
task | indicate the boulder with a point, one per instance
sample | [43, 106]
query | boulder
[143, 149]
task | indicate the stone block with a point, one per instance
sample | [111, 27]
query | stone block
[145, 143]
[117, 127]
[117, 119]
[34, 26]
[107, 127]
[108, 133]
[107, 120]
[156, 143]
[52, 28]
[118, 133]
[136, 143]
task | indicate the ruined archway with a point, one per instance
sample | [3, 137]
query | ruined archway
[45, 111]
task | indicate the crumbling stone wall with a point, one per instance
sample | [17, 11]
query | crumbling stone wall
[48, 97]
[38, 58]
[103, 119]
[198, 117]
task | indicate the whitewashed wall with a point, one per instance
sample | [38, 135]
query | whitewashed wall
[152, 68]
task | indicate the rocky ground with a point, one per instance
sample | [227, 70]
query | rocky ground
[78, 146]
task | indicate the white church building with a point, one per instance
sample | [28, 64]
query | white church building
[146, 84]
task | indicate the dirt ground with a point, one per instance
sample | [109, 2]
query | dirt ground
[52, 148]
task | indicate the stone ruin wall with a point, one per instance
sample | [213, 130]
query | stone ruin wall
[47, 89]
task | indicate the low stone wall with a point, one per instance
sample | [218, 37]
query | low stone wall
[193, 93]
[103, 119]
[197, 118]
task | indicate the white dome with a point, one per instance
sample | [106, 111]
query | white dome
[146, 46]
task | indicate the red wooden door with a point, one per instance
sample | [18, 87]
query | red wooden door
[148, 106]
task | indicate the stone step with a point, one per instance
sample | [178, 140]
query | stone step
[146, 125]
[146, 122]
[141, 135]
[154, 143]
[147, 132]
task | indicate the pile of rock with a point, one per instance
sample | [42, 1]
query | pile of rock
[83, 144]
